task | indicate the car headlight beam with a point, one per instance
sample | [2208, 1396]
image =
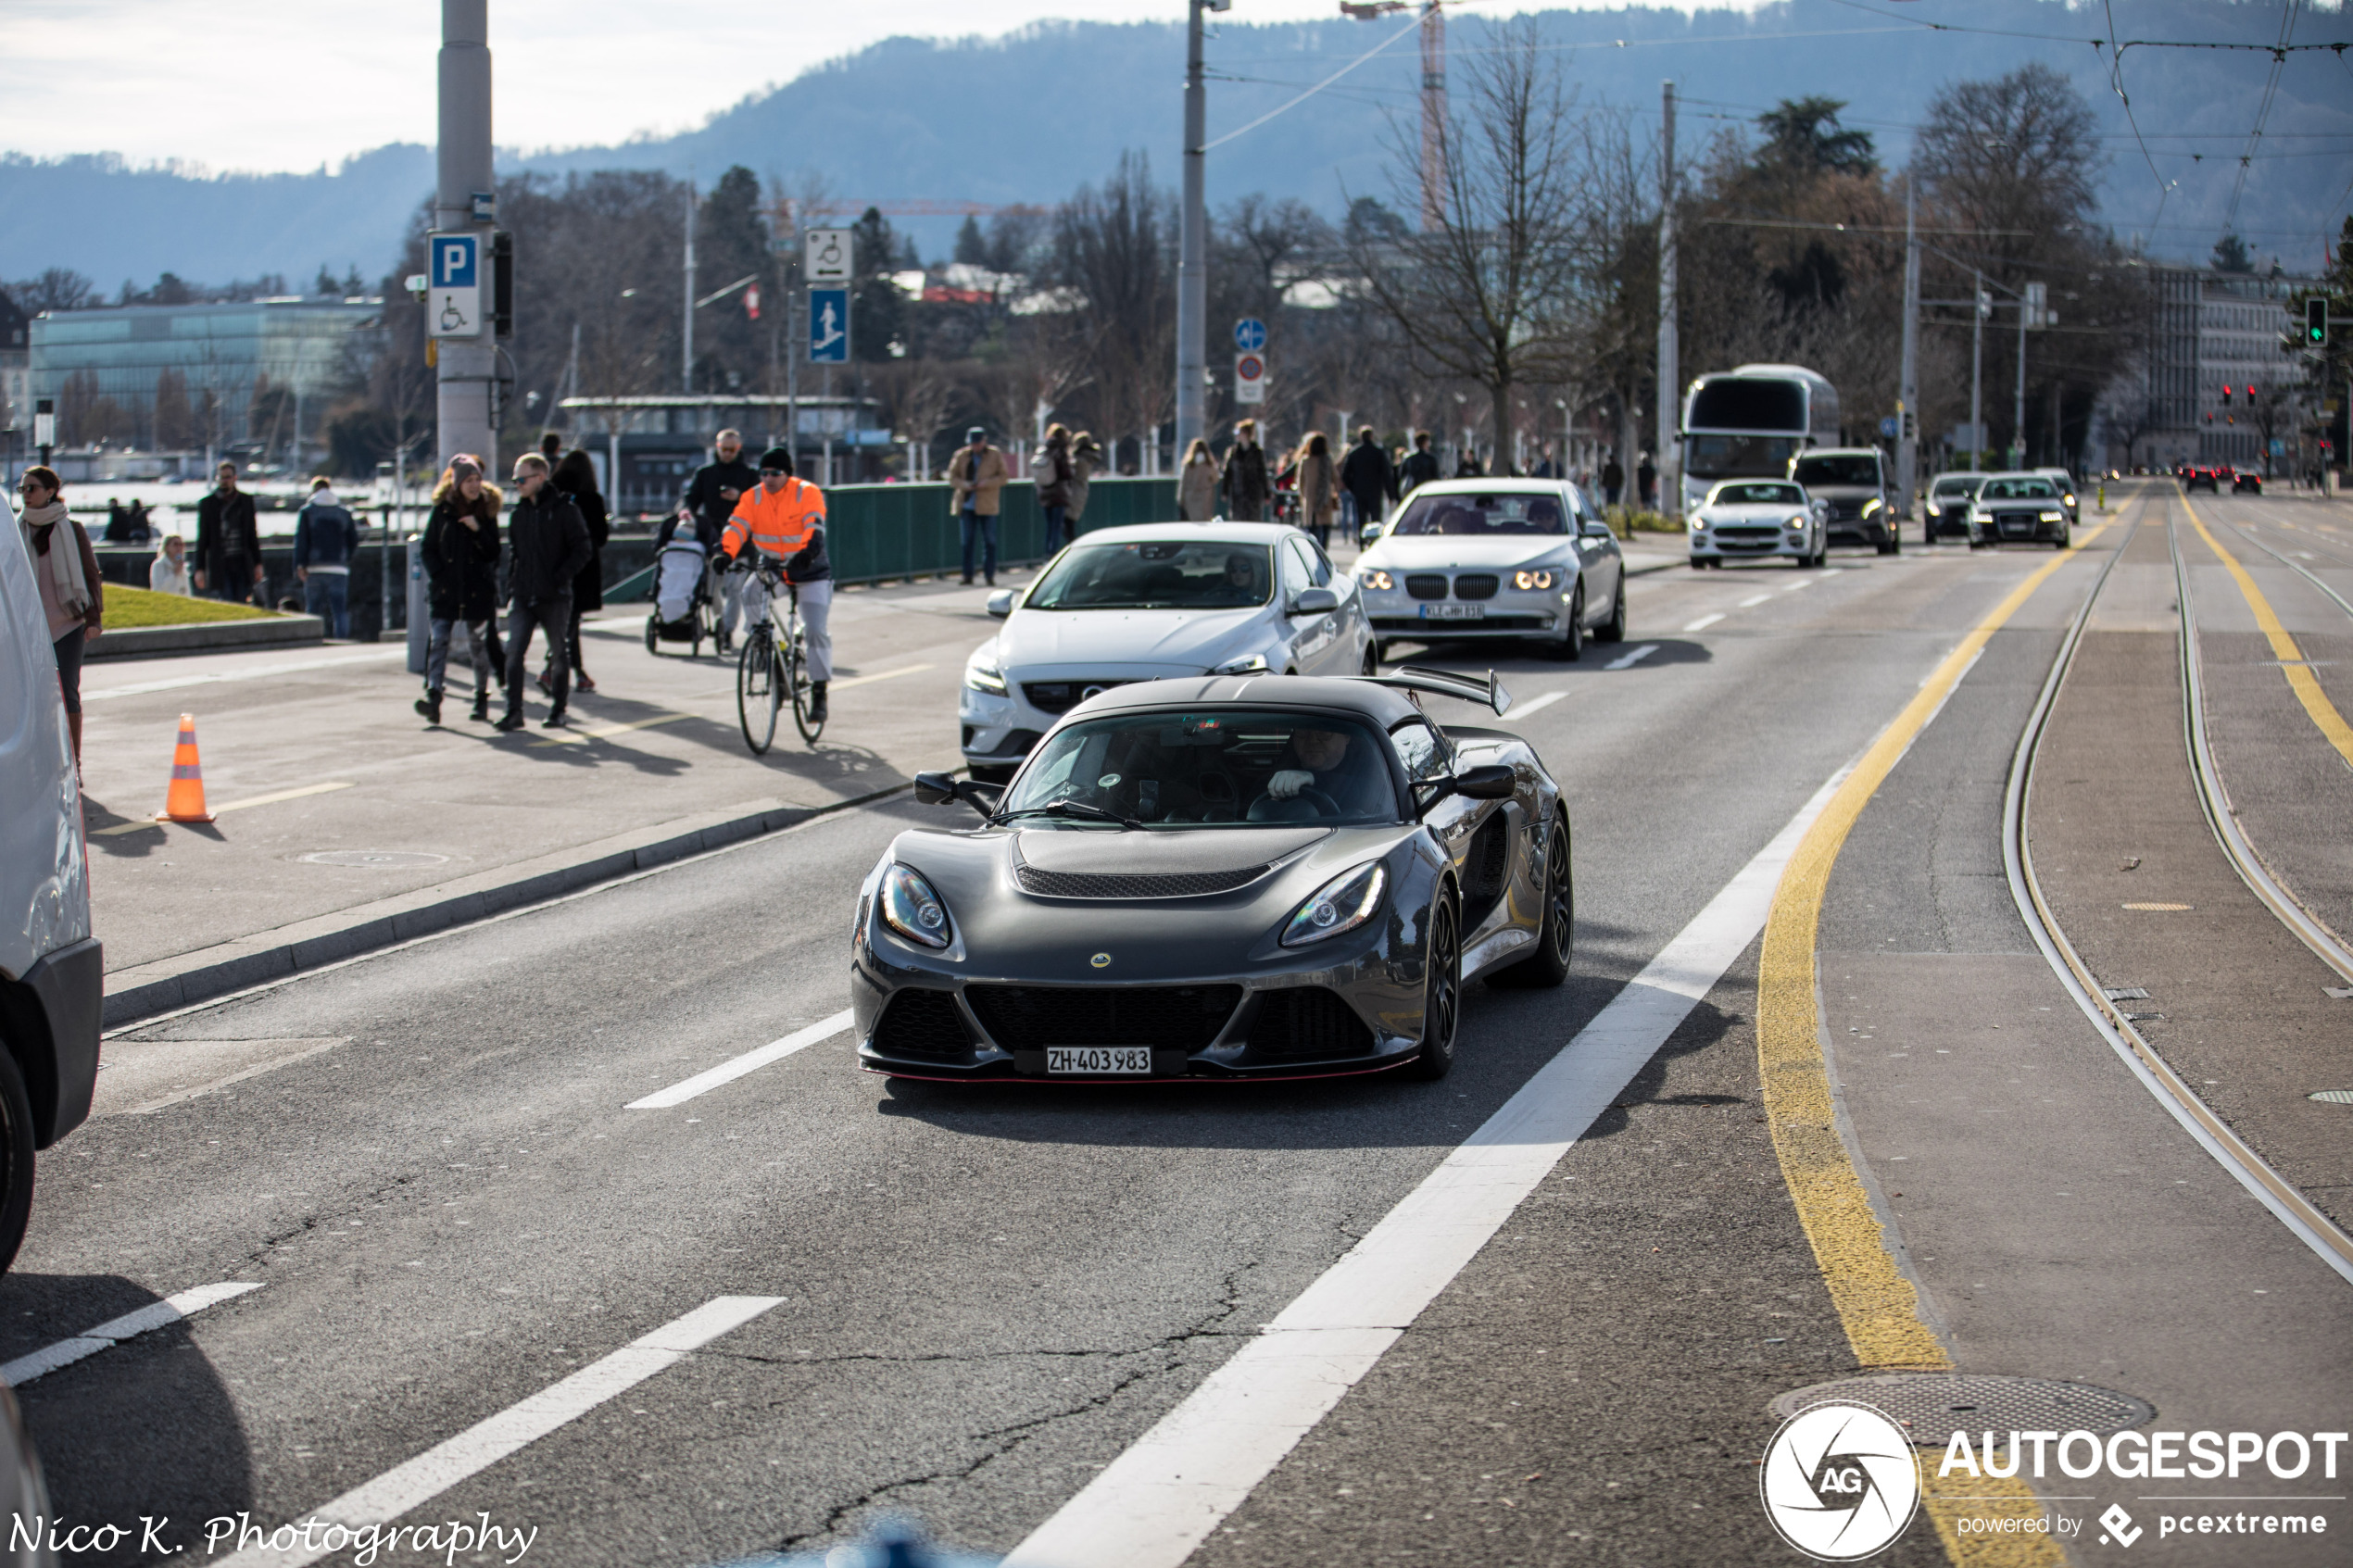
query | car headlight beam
[1255, 665]
[1342, 903]
[1535, 577]
[913, 910]
[1379, 582]
[983, 673]
[2051, 516]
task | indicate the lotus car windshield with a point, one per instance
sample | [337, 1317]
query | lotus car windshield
[1756, 493]
[1484, 516]
[1217, 766]
[1154, 574]
[2017, 490]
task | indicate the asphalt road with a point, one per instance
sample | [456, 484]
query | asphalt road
[966, 1304]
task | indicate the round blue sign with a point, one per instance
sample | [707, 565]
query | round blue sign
[1249, 334]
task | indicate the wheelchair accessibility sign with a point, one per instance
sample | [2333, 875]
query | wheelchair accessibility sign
[453, 302]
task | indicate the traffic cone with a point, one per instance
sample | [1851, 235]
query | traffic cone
[184, 803]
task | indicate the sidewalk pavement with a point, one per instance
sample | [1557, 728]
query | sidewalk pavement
[346, 822]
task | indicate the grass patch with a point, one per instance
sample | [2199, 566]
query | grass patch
[130, 608]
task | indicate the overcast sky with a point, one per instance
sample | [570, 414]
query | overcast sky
[281, 84]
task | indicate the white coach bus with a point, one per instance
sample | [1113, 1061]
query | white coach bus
[1748, 422]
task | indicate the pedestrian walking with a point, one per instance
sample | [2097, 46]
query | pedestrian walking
[1646, 476]
[1054, 473]
[1613, 479]
[575, 475]
[547, 545]
[976, 477]
[1466, 466]
[73, 595]
[710, 500]
[228, 541]
[1085, 461]
[1197, 485]
[1545, 467]
[1420, 468]
[1242, 481]
[1366, 474]
[168, 574]
[117, 523]
[1318, 488]
[785, 517]
[461, 554]
[326, 537]
[551, 446]
[143, 525]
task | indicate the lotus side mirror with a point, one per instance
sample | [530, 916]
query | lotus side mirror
[1314, 601]
[1490, 781]
[940, 789]
[1000, 603]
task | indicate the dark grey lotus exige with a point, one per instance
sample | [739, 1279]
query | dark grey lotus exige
[1224, 877]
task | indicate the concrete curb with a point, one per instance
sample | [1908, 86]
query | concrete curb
[205, 636]
[167, 983]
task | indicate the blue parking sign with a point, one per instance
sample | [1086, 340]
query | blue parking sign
[829, 326]
[455, 259]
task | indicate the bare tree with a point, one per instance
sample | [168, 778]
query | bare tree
[1486, 295]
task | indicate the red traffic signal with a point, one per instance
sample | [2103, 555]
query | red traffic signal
[2226, 397]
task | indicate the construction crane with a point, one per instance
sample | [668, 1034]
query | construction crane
[1433, 95]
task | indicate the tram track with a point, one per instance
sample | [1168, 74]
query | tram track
[2215, 1134]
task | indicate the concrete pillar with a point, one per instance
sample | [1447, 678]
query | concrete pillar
[466, 365]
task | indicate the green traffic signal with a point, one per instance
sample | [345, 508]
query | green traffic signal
[2316, 321]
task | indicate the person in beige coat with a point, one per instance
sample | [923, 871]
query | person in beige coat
[1197, 485]
[976, 477]
[1318, 489]
[1085, 461]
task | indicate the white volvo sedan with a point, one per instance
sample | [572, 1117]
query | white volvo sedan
[1151, 602]
[1479, 558]
[1757, 520]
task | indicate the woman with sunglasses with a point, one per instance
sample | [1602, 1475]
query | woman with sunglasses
[73, 595]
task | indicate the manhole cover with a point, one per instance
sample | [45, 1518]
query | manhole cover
[1932, 1406]
[377, 859]
[2333, 1097]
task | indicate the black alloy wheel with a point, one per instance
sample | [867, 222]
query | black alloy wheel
[1571, 648]
[1614, 629]
[1547, 964]
[1441, 992]
[15, 1158]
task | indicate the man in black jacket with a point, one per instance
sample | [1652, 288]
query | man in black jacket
[710, 500]
[228, 541]
[547, 545]
[1420, 466]
[1244, 477]
[1365, 473]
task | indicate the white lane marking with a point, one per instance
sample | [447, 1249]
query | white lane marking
[1703, 624]
[1157, 1501]
[1632, 656]
[750, 1061]
[1801, 583]
[270, 799]
[249, 673]
[1753, 601]
[114, 1331]
[487, 1442]
[880, 675]
[1522, 709]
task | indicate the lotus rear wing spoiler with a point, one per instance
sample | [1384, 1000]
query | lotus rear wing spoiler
[1443, 682]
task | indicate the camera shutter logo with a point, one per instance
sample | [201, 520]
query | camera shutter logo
[1838, 1481]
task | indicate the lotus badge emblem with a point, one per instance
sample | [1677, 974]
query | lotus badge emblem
[1101, 961]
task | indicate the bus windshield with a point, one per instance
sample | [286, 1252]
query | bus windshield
[1726, 457]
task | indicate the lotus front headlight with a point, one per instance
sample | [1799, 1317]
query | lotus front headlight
[1379, 582]
[1342, 903]
[1538, 577]
[913, 910]
[983, 673]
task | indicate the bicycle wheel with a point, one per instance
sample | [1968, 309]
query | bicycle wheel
[756, 691]
[803, 699]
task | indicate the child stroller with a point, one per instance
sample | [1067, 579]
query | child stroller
[685, 609]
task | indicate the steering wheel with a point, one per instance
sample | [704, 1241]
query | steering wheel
[1267, 808]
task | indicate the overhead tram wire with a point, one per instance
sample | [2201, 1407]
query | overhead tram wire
[1405, 31]
[2116, 82]
[2263, 110]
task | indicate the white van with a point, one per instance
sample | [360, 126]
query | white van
[52, 972]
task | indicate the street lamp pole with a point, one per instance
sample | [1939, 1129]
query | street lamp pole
[464, 367]
[1192, 245]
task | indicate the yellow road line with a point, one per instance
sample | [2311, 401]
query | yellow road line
[2300, 680]
[1877, 1306]
[270, 799]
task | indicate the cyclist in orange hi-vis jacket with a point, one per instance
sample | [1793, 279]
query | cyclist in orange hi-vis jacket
[785, 517]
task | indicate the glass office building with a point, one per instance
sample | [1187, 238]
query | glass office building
[212, 360]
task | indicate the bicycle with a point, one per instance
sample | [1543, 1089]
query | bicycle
[771, 667]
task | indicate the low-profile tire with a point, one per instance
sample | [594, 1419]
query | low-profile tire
[15, 1159]
[1441, 992]
[1571, 645]
[1556, 937]
[1614, 629]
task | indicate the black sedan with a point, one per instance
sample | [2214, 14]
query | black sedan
[1226, 877]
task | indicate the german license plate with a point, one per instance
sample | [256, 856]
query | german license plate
[1452, 612]
[1100, 1058]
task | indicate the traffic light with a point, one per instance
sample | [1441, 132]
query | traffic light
[2226, 397]
[2316, 321]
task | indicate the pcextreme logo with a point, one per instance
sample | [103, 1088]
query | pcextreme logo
[1838, 1481]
